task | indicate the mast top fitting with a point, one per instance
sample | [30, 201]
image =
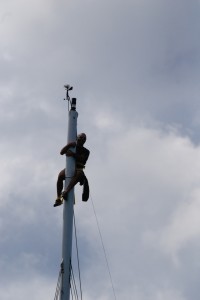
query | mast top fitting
[71, 102]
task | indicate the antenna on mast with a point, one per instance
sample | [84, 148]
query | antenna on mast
[71, 102]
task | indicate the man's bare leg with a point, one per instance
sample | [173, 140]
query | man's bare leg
[73, 182]
[61, 178]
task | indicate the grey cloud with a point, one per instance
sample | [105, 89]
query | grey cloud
[135, 69]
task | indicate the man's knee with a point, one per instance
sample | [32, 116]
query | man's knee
[61, 175]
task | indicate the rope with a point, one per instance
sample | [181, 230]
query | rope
[79, 273]
[57, 293]
[73, 288]
[104, 250]
[73, 285]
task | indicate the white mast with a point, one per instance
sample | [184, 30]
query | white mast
[68, 208]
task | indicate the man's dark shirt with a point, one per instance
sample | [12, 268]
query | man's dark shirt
[82, 155]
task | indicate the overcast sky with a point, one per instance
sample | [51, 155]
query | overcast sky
[135, 69]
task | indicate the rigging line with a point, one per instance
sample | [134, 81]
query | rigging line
[58, 287]
[74, 283]
[72, 290]
[77, 252]
[72, 295]
[104, 250]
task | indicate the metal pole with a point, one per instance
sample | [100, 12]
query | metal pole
[68, 208]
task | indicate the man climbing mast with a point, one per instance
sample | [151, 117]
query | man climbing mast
[81, 156]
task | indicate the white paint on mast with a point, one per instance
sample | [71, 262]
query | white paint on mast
[68, 208]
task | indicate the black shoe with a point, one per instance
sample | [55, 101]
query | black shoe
[58, 202]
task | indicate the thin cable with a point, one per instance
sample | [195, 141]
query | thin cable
[58, 287]
[72, 297]
[71, 292]
[74, 283]
[79, 273]
[104, 250]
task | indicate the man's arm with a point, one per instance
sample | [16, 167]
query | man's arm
[66, 151]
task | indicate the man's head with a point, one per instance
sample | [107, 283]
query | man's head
[81, 139]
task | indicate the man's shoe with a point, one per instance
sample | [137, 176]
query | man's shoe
[58, 202]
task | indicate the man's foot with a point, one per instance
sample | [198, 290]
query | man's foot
[64, 194]
[58, 202]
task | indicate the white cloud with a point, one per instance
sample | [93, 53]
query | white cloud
[183, 228]
[37, 288]
[142, 191]
[135, 71]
